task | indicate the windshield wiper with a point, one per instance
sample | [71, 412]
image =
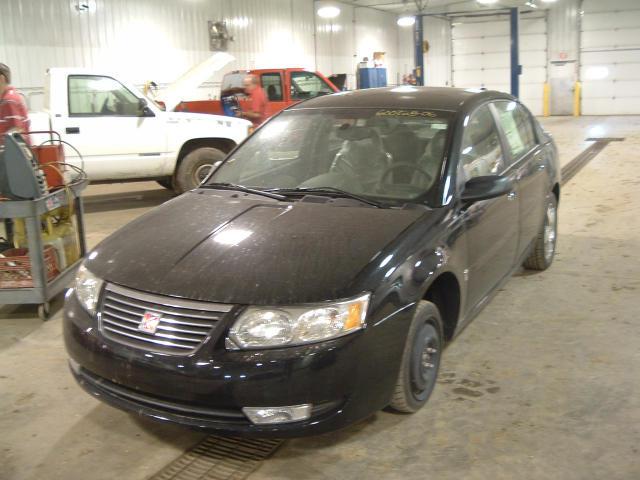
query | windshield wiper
[242, 188]
[326, 191]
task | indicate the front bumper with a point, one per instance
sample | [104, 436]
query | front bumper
[346, 379]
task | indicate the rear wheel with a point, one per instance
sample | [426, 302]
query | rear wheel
[420, 360]
[195, 167]
[544, 249]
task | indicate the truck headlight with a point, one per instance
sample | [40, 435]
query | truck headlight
[264, 327]
[88, 287]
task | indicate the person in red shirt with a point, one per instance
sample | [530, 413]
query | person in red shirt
[257, 112]
[13, 110]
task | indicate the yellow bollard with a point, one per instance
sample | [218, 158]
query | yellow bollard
[577, 97]
[545, 99]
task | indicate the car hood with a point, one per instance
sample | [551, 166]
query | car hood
[221, 246]
[186, 86]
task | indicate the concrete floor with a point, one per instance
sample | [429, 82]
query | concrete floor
[544, 384]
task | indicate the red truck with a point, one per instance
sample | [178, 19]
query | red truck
[283, 87]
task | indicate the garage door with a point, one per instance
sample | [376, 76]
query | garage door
[481, 55]
[610, 57]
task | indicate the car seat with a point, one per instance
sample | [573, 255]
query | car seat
[272, 93]
[362, 155]
[404, 147]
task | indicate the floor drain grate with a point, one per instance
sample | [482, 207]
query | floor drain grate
[579, 162]
[219, 458]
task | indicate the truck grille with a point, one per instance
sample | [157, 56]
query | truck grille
[183, 324]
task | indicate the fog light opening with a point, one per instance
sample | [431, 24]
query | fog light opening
[273, 415]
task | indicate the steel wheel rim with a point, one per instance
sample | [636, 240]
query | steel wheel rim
[201, 173]
[425, 361]
[550, 233]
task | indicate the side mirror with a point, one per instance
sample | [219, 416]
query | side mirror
[486, 187]
[145, 111]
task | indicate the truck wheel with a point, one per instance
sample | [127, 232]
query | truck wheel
[195, 166]
[420, 360]
[544, 248]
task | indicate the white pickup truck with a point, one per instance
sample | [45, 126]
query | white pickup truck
[121, 135]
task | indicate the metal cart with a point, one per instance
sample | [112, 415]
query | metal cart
[43, 291]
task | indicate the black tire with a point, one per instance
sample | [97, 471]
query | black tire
[544, 249]
[420, 360]
[166, 182]
[192, 168]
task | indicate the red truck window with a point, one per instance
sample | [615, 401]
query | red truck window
[308, 85]
[272, 85]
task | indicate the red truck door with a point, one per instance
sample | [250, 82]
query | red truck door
[273, 85]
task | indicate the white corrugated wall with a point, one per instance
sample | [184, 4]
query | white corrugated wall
[437, 61]
[160, 39]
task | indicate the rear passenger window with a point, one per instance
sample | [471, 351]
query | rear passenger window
[516, 123]
[481, 153]
[272, 84]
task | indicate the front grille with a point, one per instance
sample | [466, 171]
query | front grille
[183, 325]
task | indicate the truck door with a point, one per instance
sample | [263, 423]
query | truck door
[272, 85]
[117, 136]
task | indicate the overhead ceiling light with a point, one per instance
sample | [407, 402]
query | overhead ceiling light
[328, 11]
[487, 2]
[548, 1]
[406, 21]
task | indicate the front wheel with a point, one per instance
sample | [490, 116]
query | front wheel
[420, 360]
[195, 167]
[544, 248]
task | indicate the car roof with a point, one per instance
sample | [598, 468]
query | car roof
[406, 97]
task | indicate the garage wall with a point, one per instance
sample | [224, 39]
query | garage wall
[481, 56]
[160, 39]
[610, 57]
[437, 61]
[357, 33]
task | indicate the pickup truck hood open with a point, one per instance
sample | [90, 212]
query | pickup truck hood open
[220, 246]
[184, 87]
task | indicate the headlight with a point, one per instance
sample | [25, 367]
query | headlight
[260, 327]
[88, 288]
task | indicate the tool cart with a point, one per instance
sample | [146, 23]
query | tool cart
[44, 245]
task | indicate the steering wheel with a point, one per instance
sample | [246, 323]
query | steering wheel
[411, 166]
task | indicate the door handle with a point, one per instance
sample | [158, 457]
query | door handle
[512, 196]
[71, 130]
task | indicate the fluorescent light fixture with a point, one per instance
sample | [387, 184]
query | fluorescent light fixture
[548, 1]
[329, 11]
[406, 21]
[487, 2]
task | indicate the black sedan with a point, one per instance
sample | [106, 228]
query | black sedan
[316, 275]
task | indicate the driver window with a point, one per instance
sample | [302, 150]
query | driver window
[92, 95]
[307, 85]
[481, 152]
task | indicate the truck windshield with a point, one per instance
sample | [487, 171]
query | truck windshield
[383, 154]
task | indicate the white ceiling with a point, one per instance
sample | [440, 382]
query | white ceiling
[435, 6]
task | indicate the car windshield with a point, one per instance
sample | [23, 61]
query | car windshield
[385, 154]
